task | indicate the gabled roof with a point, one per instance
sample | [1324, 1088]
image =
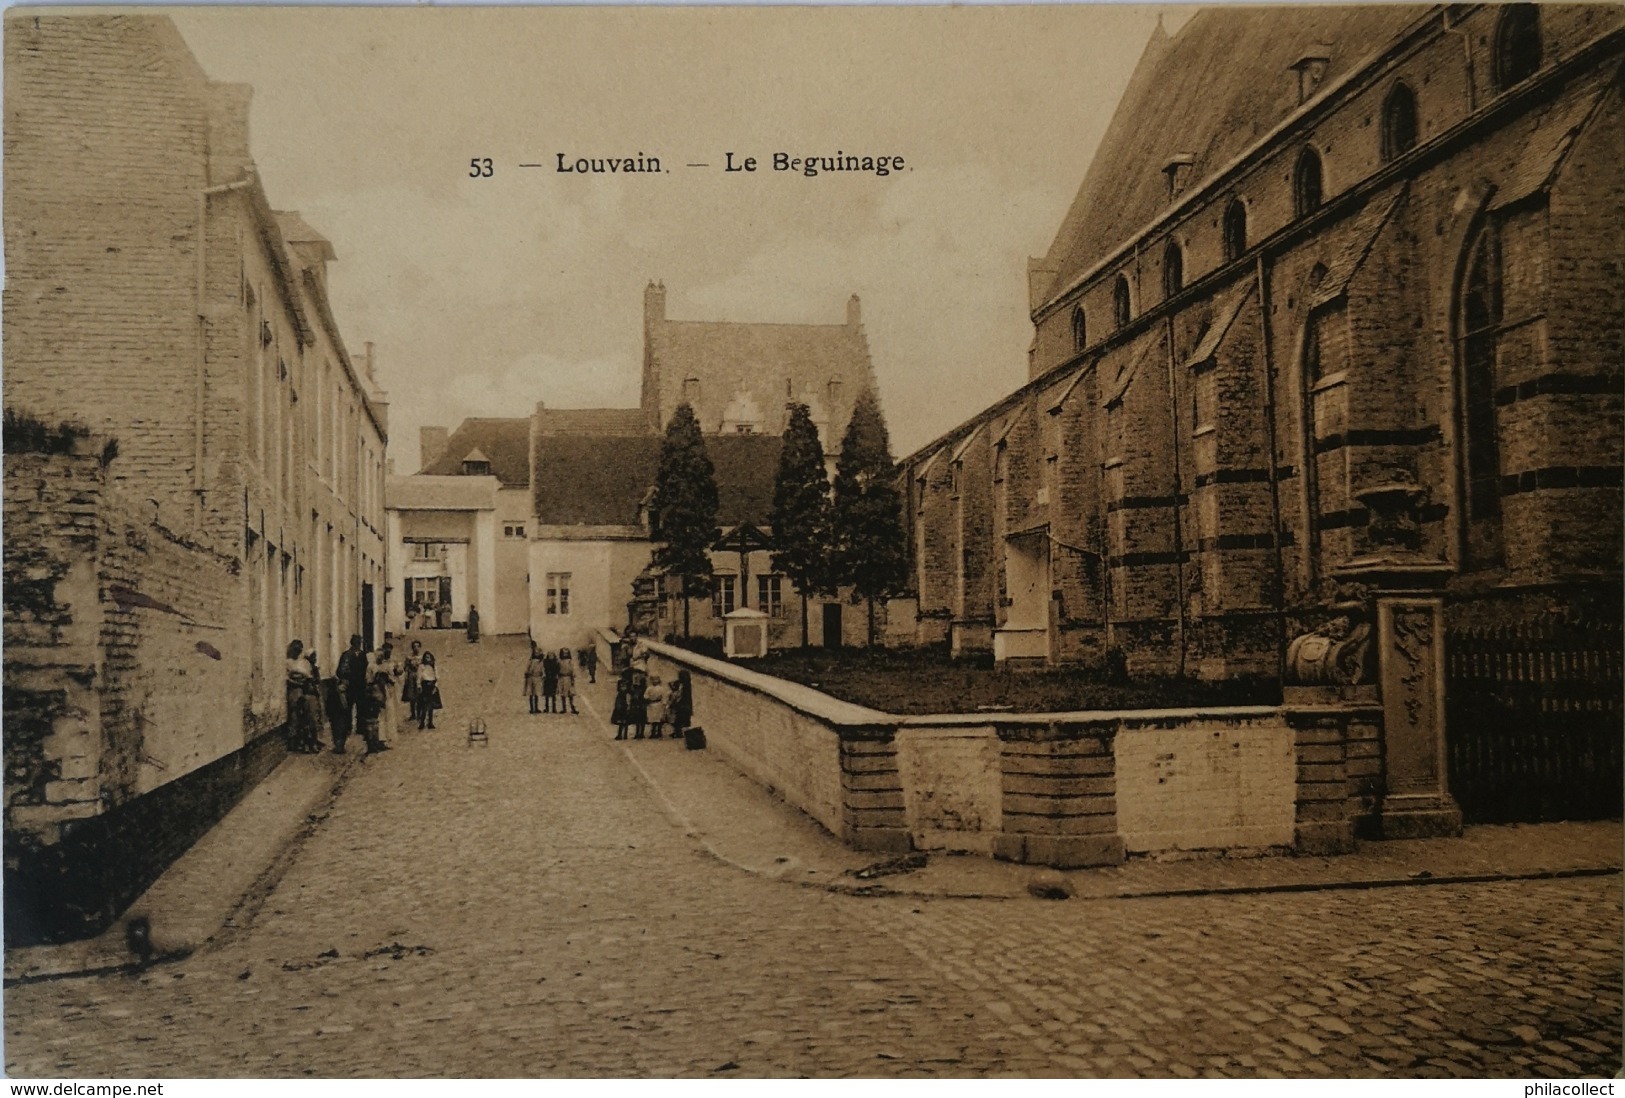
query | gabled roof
[505, 443]
[1210, 91]
[592, 480]
[731, 360]
[592, 421]
[601, 480]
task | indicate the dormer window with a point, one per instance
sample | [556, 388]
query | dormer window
[1311, 69]
[476, 464]
[1178, 170]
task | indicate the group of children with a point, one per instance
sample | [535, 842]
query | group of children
[550, 680]
[643, 702]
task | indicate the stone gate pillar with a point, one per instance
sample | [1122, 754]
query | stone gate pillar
[1404, 593]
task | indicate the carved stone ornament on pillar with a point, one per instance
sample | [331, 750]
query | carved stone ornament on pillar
[1404, 591]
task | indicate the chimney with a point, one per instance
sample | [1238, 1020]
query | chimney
[854, 312]
[654, 305]
[1311, 70]
[432, 443]
[228, 131]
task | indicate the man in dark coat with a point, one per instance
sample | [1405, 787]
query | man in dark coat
[351, 673]
[473, 625]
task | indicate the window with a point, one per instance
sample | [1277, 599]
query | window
[558, 593]
[1080, 329]
[1312, 366]
[1306, 183]
[745, 428]
[722, 595]
[513, 530]
[770, 595]
[691, 391]
[1517, 45]
[425, 550]
[1479, 333]
[1173, 269]
[474, 467]
[1235, 230]
[1122, 307]
[1398, 122]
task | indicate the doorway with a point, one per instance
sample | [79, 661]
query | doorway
[832, 625]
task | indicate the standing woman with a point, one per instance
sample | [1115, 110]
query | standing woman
[567, 681]
[301, 736]
[409, 678]
[621, 715]
[533, 678]
[681, 704]
[473, 625]
[428, 691]
[550, 681]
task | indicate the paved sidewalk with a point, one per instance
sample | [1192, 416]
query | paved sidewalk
[739, 822]
[215, 882]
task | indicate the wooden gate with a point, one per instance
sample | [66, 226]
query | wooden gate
[1534, 721]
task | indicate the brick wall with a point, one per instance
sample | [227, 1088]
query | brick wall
[122, 643]
[1055, 789]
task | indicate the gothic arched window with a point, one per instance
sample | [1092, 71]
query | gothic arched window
[1122, 307]
[1398, 122]
[1173, 269]
[1235, 230]
[1517, 45]
[1306, 183]
[1080, 329]
[1479, 333]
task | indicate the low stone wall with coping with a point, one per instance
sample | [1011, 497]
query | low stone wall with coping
[1059, 789]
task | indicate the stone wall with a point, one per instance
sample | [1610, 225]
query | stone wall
[125, 678]
[1066, 789]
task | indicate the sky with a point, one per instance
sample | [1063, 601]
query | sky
[486, 295]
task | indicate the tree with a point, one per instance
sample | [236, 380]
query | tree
[685, 506]
[800, 516]
[867, 513]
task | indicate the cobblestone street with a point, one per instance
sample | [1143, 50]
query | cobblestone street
[531, 909]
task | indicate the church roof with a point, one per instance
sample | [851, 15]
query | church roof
[1210, 91]
[505, 443]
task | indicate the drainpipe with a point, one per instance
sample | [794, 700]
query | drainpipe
[1179, 536]
[202, 339]
[1277, 534]
[1467, 51]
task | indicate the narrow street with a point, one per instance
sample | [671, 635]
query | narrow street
[529, 909]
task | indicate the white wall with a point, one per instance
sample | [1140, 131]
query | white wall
[601, 573]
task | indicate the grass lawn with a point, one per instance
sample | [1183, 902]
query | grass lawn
[928, 680]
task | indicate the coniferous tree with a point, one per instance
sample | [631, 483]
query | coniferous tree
[867, 512]
[685, 505]
[800, 516]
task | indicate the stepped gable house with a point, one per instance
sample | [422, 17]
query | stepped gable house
[221, 493]
[1337, 280]
[566, 513]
